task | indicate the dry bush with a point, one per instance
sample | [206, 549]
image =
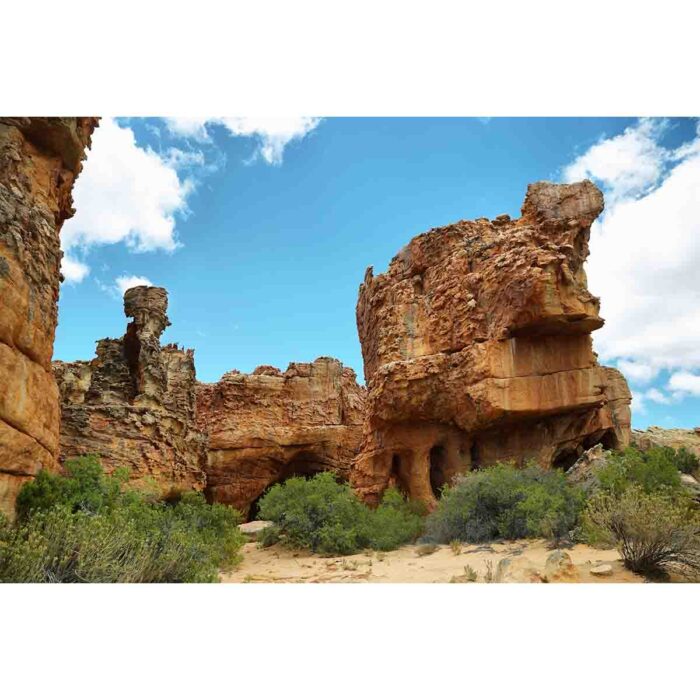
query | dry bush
[655, 533]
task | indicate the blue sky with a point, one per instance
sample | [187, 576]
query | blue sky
[262, 234]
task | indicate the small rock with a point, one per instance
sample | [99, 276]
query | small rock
[559, 567]
[602, 570]
[255, 527]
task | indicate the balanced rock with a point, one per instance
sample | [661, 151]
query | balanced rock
[477, 348]
[40, 158]
[270, 425]
[133, 404]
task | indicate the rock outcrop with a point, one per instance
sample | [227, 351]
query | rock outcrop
[477, 348]
[134, 403]
[676, 438]
[40, 159]
[267, 426]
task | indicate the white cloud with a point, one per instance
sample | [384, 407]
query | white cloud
[273, 134]
[627, 164]
[685, 383]
[73, 270]
[126, 194]
[121, 284]
[637, 372]
[644, 250]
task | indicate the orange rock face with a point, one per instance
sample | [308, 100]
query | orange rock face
[477, 348]
[39, 161]
[267, 426]
[134, 403]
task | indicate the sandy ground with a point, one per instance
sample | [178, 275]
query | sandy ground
[405, 565]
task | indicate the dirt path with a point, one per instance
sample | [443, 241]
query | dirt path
[279, 565]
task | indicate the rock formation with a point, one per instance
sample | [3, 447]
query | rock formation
[267, 426]
[667, 437]
[477, 348]
[40, 159]
[134, 404]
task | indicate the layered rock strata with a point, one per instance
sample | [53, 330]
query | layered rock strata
[40, 158]
[477, 348]
[134, 403]
[269, 425]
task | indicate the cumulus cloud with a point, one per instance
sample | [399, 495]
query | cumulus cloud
[685, 383]
[644, 250]
[73, 270]
[126, 194]
[273, 134]
[121, 284]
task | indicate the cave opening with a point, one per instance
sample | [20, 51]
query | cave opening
[438, 459]
[565, 459]
[396, 476]
[474, 456]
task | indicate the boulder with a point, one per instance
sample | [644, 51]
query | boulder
[584, 471]
[602, 570]
[559, 568]
[477, 349]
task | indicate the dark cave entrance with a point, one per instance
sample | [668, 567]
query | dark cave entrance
[396, 476]
[438, 463]
[474, 455]
[565, 459]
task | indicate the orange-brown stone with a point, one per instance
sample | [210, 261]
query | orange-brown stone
[40, 159]
[134, 403]
[269, 425]
[477, 348]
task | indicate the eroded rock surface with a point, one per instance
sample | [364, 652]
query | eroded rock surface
[40, 159]
[477, 348]
[676, 438]
[269, 425]
[134, 403]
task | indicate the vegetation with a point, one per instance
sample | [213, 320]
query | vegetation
[503, 502]
[655, 532]
[651, 470]
[325, 516]
[90, 527]
[687, 462]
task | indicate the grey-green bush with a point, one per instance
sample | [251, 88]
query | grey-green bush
[503, 502]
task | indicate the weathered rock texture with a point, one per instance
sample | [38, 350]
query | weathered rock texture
[267, 426]
[134, 404]
[40, 159]
[477, 348]
[667, 437]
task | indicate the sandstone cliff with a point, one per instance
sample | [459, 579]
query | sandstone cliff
[267, 426]
[40, 159]
[134, 403]
[477, 348]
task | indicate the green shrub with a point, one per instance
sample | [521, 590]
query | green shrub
[86, 527]
[655, 532]
[84, 487]
[686, 461]
[652, 470]
[395, 521]
[503, 502]
[325, 516]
